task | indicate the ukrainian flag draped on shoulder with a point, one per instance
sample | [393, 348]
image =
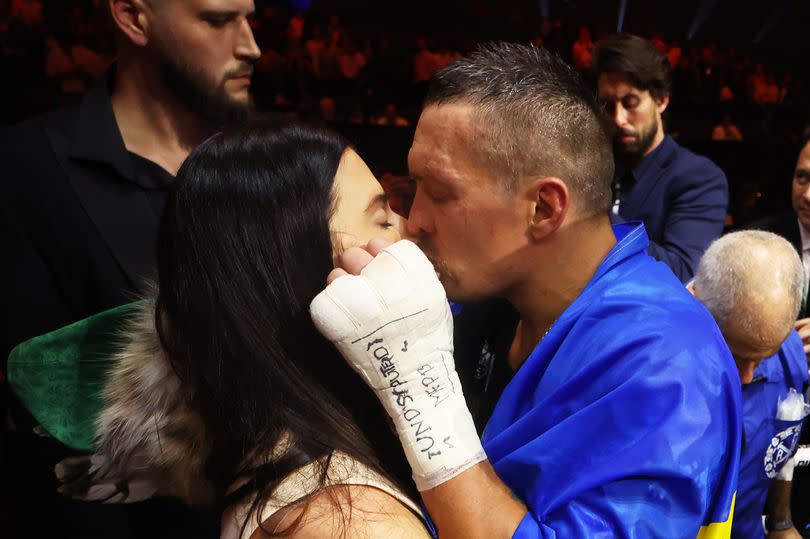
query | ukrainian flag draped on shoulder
[625, 421]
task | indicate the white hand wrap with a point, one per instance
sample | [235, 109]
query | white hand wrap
[392, 323]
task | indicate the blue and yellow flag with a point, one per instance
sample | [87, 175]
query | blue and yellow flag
[625, 421]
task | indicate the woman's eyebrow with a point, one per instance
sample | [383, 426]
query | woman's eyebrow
[378, 201]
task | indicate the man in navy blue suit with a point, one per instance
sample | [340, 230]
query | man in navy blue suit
[681, 197]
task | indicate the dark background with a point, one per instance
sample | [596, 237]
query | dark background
[721, 40]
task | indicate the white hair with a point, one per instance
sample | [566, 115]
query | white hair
[743, 273]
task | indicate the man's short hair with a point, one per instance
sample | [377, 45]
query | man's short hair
[742, 272]
[533, 116]
[637, 59]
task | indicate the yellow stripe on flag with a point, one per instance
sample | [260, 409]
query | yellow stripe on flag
[718, 530]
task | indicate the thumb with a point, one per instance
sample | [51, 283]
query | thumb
[335, 274]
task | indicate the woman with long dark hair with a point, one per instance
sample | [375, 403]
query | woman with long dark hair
[246, 242]
[223, 391]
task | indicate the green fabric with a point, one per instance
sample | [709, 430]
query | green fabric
[59, 376]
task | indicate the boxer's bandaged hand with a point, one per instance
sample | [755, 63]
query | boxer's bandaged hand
[393, 325]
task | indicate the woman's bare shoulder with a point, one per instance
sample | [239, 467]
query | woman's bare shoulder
[350, 511]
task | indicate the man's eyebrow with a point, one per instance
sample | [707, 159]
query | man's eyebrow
[224, 14]
[435, 179]
[378, 201]
[627, 95]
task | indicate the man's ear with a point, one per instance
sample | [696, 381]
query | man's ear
[130, 18]
[550, 202]
[662, 103]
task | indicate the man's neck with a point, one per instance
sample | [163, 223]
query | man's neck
[152, 122]
[578, 250]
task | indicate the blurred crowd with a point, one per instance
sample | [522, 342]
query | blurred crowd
[316, 67]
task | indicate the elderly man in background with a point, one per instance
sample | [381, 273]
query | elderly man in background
[752, 283]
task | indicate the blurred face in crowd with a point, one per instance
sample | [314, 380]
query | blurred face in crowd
[361, 209]
[460, 217]
[636, 115]
[204, 49]
[801, 187]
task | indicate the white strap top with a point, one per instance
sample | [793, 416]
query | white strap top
[343, 470]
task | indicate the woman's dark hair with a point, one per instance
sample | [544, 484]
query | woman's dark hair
[804, 139]
[636, 58]
[244, 247]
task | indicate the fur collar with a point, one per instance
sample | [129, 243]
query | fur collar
[149, 440]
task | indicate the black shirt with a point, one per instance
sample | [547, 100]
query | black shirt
[154, 179]
[80, 215]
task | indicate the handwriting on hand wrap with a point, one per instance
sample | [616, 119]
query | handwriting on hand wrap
[433, 388]
[404, 399]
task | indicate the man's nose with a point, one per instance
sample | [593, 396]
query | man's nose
[246, 47]
[619, 116]
[419, 222]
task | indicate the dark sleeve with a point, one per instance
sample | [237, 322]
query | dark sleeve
[34, 303]
[34, 300]
[695, 217]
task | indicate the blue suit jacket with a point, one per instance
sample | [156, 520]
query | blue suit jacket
[682, 198]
